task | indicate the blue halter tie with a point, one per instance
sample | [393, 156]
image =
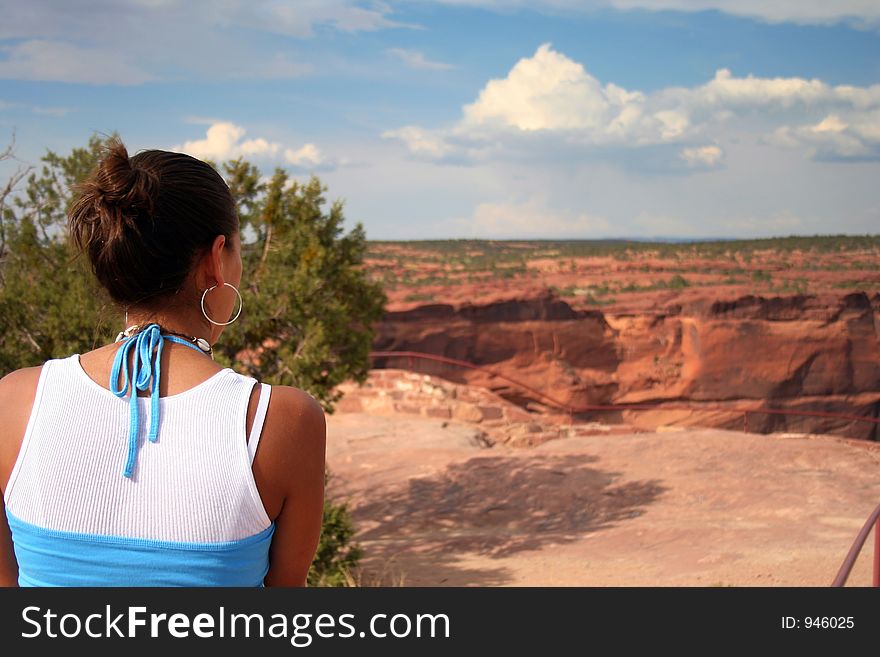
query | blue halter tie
[144, 342]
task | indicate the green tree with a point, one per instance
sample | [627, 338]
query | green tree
[678, 281]
[50, 304]
[309, 307]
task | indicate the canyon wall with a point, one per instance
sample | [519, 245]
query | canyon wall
[800, 352]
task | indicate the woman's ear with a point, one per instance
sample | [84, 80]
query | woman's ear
[211, 265]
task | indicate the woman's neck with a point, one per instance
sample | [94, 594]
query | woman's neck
[188, 326]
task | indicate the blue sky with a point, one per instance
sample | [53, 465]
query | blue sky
[475, 118]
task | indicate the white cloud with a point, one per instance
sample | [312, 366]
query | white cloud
[548, 102]
[39, 59]
[307, 156]
[300, 18]
[547, 91]
[835, 137]
[90, 18]
[529, 218]
[225, 140]
[702, 156]
[863, 12]
[420, 141]
[99, 42]
[798, 11]
[417, 60]
[731, 93]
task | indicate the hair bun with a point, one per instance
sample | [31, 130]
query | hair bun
[115, 198]
[118, 185]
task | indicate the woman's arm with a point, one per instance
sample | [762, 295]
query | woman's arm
[297, 461]
[17, 390]
[8, 564]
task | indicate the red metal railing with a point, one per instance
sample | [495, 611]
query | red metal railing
[410, 355]
[873, 519]
[858, 544]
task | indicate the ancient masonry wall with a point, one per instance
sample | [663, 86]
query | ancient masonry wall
[395, 391]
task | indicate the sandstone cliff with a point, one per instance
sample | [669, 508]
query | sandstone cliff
[799, 352]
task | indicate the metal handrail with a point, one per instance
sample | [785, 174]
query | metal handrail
[873, 519]
[625, 406]
[858, 544]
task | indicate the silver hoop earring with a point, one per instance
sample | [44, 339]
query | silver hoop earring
[236, 314]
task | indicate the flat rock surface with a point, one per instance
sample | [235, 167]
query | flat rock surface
[434, 506]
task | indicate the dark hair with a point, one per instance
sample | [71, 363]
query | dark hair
[143, 221]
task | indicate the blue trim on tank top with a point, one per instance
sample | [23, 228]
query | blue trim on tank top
[140, 542]
[51, 557]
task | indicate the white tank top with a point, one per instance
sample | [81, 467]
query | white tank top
[195, 484]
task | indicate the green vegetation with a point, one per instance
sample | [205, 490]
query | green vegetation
[336, 555]
[303, 283]
[796, 286]
[678, 282]
[418, 297]
[505, 259]
[855, 285]
[861, 266]
[481, 251]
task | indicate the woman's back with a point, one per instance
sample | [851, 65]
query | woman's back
[103, 487]
[193, 513]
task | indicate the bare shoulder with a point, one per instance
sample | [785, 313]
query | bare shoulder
[17, 391]
[296, 420]
[298, 400]
[298, 406]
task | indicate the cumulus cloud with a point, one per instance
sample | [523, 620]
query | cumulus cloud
[528, 218]
[225, 140]
[307, 156]
[549, 91]
[416, 59]
[420, 141]
[727, 92]
[854, 138]
[549, 101]
[702, 156]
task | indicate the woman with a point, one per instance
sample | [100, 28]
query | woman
[136, 464]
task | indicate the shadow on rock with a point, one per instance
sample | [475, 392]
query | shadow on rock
[496, 506]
